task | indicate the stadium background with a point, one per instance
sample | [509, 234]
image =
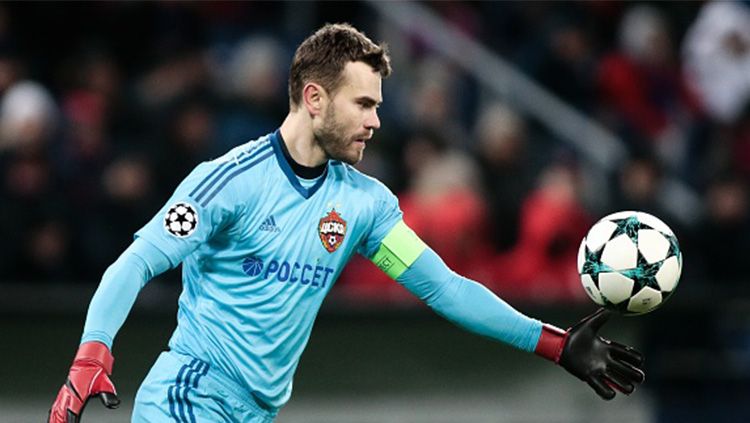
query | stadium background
[507, 129]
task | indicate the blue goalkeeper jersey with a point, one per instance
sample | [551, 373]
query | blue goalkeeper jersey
[260, 250]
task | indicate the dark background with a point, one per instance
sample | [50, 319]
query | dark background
[105, 107]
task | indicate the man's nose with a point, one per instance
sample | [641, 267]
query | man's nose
[373, 121]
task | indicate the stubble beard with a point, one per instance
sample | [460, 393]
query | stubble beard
[331, 137]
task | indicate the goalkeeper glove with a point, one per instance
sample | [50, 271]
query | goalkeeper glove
[601, 363]
[89, 376]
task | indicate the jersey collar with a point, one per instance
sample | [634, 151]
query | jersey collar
[276, 141]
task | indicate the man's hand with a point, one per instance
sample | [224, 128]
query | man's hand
[601, 363]
[89, 376]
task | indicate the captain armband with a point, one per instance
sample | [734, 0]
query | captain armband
[398, 250]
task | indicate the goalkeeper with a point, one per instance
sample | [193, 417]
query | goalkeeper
[262, 234]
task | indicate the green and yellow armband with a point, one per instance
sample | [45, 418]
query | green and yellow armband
[398, 250]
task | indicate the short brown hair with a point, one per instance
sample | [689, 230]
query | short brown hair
[323, 55]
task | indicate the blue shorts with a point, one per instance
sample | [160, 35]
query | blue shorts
[183, 389]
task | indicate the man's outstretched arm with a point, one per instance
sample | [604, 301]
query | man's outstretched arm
[599, 362]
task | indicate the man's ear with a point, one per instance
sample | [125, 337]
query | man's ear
[314, 98]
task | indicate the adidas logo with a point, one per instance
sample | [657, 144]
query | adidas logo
[269, 225]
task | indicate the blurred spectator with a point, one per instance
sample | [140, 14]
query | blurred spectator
[127, 203]
[33, 221]
[716, 54]
[46, 252]
[725, 231]
[188, 140]
[639, 184]
[434, 99]
[86, 148]
[567, 66]
[513, 28]
[542, 265]
[253, 88]
[642, 86]
[507, 171]
[27, 116]
[96, 74]
[255, 71]
[445, 209]
[739, 135]
[177, 74]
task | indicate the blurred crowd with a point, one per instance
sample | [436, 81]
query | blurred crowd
[106, 106]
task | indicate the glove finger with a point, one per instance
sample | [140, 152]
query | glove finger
[625, 353]
[54, 417]
[634, 375]
[598, 319]
[619, 382]
[66, 402]
[601, 388]
[109, 400]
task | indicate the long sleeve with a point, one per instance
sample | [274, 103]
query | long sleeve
[467, 303]
[118, 289]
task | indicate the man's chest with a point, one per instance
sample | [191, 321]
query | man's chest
[329, 226]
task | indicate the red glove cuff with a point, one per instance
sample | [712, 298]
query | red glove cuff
[551, 342]
[96, 352]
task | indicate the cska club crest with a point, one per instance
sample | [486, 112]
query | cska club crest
[332, 229]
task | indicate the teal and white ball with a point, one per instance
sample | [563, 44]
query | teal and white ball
[630, 262]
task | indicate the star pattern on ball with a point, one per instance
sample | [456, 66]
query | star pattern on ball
[674, 246]
[593, 263]
[644, 274]
[630, 227]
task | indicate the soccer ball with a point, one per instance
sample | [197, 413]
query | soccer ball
[630, 262]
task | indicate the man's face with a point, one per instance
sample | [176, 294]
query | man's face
[350, 117]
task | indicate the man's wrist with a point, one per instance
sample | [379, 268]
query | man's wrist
[551, 342]
[96, 352]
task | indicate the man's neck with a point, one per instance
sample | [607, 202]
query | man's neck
[298, 169]
[296, 133]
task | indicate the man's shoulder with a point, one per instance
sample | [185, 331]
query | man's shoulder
[244, 153]
[240, 161]
[213, 177]
[359, 180]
